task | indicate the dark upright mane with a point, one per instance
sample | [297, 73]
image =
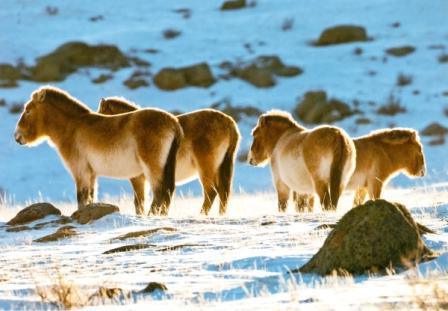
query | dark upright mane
[281, 117]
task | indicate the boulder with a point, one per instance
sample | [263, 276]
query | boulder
[261, 71]
[143, 233]
[233, 5]
[401, 51]
[153, 286]
[170, 79]
[34, 212]
[198, 75]
[236, 112]
[316, 108]
[61, 233]
[94, 211]
[369, 239]
[342, 34]
[434, 129]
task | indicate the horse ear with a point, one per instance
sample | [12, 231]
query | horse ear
[39, 96]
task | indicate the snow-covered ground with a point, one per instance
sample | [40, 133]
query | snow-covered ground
[239, 262]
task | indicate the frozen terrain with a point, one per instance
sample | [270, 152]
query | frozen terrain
[239, 261]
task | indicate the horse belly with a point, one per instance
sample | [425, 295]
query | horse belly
[120, 164]
[294, 173]
[185, 170]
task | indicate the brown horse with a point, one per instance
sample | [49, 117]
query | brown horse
[380, 156]
[208, 149]
[320, 160]
[91, 144]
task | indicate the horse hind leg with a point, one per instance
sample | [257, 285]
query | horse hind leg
[210, 193]
[303, 202]
[138, 185]
[224, 180]
[323, 191]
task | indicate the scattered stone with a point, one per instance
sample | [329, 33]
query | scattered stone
[242, 156]
[443, 58]
[437, 141]
[61, 233]
[171, 33]
[7, 84]
[342, 34]
[102, 78]
[198, 75]
[392, 107]
[96, 18]
[363, 121]
[369, 239]
[143, 233]
[261, 71]
[315, 108]
[186, 13]
[153, 286]
[2, 102]
[235, 112]
[128, 248]
[404, 80]
[51, 10]
[93, 212]
[434, 129]
[18, 229]
[16, 108]
[233, 5]
[268, 223]
[135, 83]
[358, 51]
[104, 293]
[61, 221]
[325, 226]
[34, 212]
[176, 247]
[151, 51]
[395, 25]
[401, 51]
[287, 24]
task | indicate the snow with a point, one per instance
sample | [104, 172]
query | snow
[239, 259]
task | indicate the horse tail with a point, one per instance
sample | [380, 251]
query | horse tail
[169, 171]
[225, 170]
[341, 156]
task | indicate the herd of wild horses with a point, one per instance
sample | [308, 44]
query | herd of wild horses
[123, 141]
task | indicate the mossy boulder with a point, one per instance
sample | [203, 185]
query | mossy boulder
[370, 238]
[434, 129]
[315, 108]
[94, 211]
[342, 34]
[9, 72]
[34, 212]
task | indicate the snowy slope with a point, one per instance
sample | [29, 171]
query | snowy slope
[214, 36]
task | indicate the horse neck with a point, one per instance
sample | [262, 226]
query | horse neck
[399, 155]
[59, 125]
[277, 132]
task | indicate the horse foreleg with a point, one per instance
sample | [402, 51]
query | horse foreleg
[375, 188]
[138, 185]
[323, 191]
[282, 195]
[92, 189]
[303, 202]
[360, 196]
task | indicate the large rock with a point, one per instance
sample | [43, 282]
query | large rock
[70, 56]
[434, 129]
[316, 108]
[34, 212]
[198, 75]
[342, 34]
[261, 71]
[370, 238]
[93, 212]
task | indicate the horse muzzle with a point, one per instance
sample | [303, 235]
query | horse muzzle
[19, 138]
